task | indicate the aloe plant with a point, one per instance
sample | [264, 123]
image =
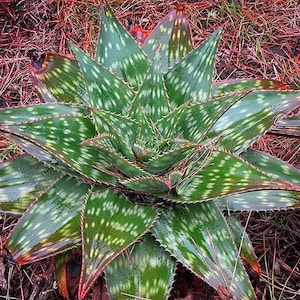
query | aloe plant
[133, 155]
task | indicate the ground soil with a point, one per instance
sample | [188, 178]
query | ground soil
[261, 39]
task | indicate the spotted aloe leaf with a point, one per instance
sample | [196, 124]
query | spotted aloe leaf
[288, 126]
[251, 117]
[267, 199]
[21, 181]
[153, 87]
[247, 85]
[189, 127]
[260, 200]
[39, 111]
[55, 138]
[173, 36]
[111, 94]
[41, 155]
[273, 166]
[122, 128]
[144, 271]
[187, 79]
[224, 174]
[166, 126]
[58, 78]
[51, 224]
[118, 51]
[198, 236]
[145, 128]
[121, 224]
[243, 244]
[123, 165]
[162, 162]
[147, 184]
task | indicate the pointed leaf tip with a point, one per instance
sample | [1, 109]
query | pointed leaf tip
[146, 271]
[152, 96]
[109, 93]
[225, 174]
[252, 116]
[198, 236]
[51, 225]
[58, 78]
[192, 77]
[174, 37]
[109, 228]
[118, 51]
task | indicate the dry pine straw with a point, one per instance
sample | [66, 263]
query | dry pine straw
[261, 39]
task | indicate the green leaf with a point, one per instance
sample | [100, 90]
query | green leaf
[197, 119]
[35, 151]
[21, 181]
[268, 199]
[146, 131]
[199, 237]
[148, 184]
[173, 37]
[236, 85]
[146, 271]
[123, 130]
[115, 160]
[288, 126]
[243, 243]
[260, 200]
[224, 174]
[19, 115]
[28, 113]
[105, 91]
[251, 117]
[161, 162]
[118, 51]
[166, 126]
[111, 224]
[58, 138]
[41, 155]
[192, 77]
[59, 79]
[152, 96]
[51, 225]
[273, 166]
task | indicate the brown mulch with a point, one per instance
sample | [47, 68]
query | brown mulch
[261, 39]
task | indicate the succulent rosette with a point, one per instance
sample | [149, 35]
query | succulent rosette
[133, 155]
